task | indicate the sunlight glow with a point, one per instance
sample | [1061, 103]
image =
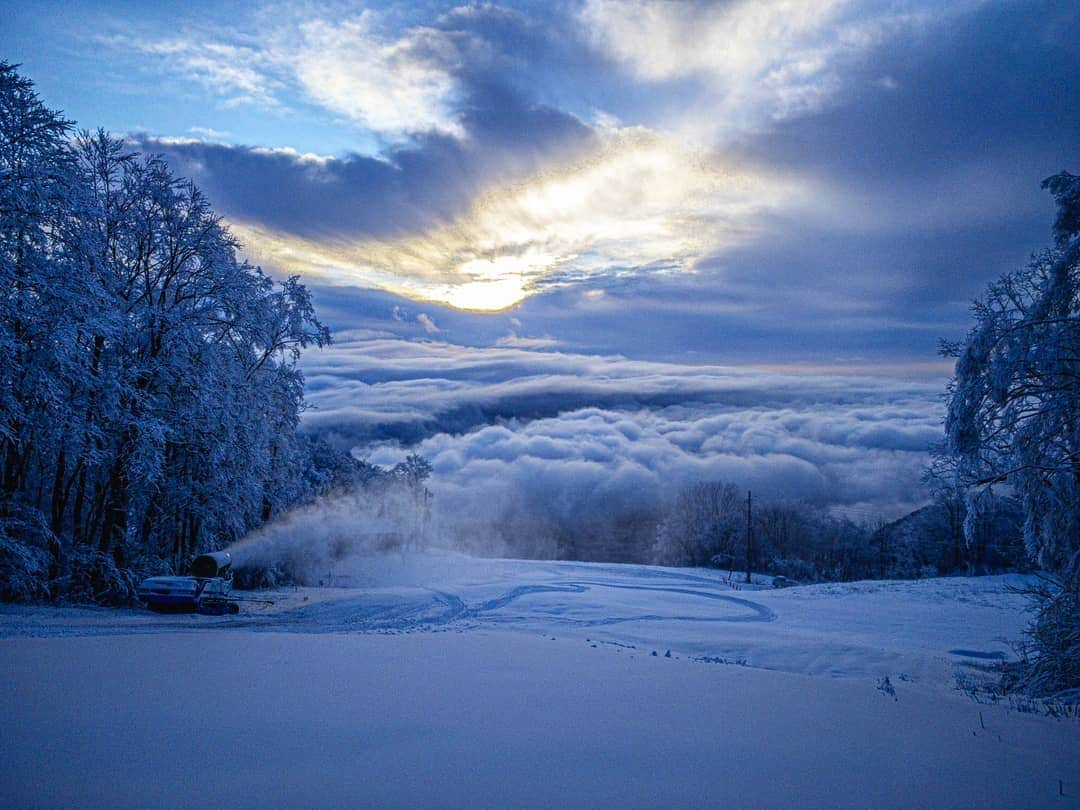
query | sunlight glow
[639, 202]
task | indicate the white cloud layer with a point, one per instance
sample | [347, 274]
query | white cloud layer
[556, 433]
[584, 461]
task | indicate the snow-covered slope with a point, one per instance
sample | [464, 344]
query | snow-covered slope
[441, 680]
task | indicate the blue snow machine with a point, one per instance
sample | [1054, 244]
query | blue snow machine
[206, 591]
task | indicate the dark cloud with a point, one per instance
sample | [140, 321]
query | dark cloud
[995, 79]
[405, 190]
[948, 125]
[714, 316]
[511, 132]
[929, 170]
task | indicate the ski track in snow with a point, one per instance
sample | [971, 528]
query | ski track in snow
[423, 609]
[922, 630]
[445, 609]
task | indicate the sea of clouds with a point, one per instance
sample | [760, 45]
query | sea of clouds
[557, 437]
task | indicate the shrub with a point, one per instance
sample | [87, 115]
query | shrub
[24, 570]
[1049, 665]
[93, 577]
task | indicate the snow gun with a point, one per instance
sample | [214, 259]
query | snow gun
[206, 591]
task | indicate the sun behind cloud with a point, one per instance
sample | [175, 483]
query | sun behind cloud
[638, 202]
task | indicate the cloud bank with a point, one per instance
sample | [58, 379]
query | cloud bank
[544, 440]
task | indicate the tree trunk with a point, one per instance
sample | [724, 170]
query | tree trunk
[115, 516]
[59, 495]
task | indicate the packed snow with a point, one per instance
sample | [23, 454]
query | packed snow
[441, 680]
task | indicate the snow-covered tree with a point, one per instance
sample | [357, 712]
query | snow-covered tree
[1014, 419]
[1014, 403]
[149, 388]
[707, 520]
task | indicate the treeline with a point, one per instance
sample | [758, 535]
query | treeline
[706, 524]
[149, 389]
[712, 523]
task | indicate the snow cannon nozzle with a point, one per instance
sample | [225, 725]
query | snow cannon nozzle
[208, 566]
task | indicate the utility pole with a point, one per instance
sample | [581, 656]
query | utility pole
[749, 533]
[883, 550]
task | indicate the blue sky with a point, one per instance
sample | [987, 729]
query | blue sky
[661, 228]
[825, 183]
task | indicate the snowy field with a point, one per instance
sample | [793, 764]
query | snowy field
[439, 680]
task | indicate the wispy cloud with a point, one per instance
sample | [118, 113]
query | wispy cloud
[389, 84]
[515, 341]
[426, 321]
[393, 84]
[238, 74]
[209, 133]
[759, 61]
